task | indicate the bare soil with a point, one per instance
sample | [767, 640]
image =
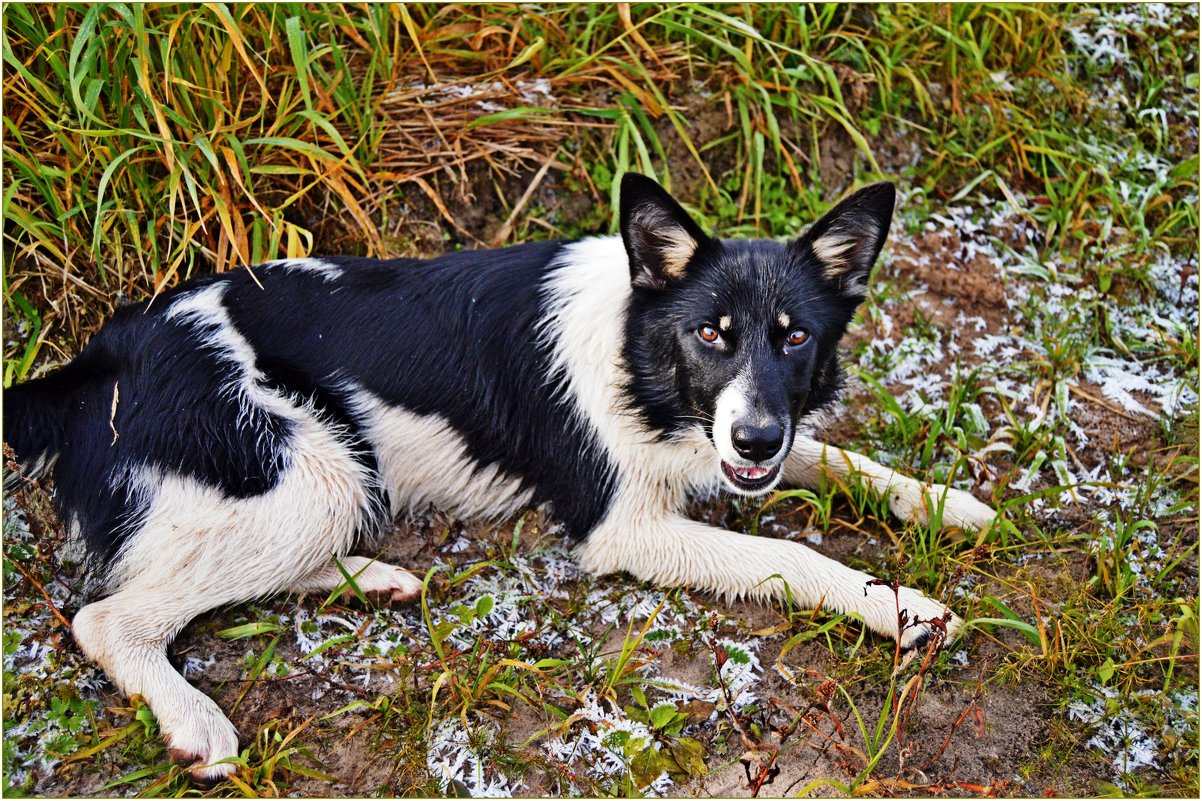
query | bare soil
[994, 749]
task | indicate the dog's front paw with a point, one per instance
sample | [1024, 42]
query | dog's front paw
[200, 741]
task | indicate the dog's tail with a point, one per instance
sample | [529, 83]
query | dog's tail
[38, 417]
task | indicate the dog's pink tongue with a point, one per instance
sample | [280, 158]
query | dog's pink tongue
[752, 472]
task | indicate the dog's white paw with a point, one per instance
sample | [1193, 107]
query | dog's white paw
[379, 580]
[390, 582]
[199, 741]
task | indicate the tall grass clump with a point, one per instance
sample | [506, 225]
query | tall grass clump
[146, 143]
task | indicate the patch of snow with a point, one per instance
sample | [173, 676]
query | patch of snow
[451, 757]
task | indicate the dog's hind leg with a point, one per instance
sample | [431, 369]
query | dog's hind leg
[810, 461]
[671, 550]
[197, 548]
[370, 576]
[127, 635]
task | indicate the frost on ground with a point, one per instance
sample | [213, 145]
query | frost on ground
[999, 359]
[1044, 310]
[51, 693]
[1121, 734]
[602, 739]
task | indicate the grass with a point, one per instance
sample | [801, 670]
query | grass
[148, 144]
[1048, 162]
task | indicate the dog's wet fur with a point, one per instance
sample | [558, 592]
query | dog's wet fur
[230, 438]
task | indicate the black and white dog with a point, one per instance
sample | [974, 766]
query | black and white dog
[230, 438]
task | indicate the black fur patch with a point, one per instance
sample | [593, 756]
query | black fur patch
[172, 412]
[455, 336]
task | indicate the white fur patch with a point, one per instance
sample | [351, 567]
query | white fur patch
[784, 320]
[203, 308]
[724, 322]
[585, 302]
[238, 548]
[424, 462]
[732, 405]
[329, 272]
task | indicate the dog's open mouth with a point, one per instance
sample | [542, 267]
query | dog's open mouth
[750, 479]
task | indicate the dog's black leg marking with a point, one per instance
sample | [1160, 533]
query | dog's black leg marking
[919, 642]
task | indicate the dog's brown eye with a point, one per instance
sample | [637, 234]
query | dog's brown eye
[708, 333]
[797, 337]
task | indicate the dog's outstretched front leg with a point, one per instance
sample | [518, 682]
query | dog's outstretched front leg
[671, 550]
[809, 461]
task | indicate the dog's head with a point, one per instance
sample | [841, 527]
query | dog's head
[740, 336]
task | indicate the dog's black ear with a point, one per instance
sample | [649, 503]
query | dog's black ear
[660, 237]
[849, 237]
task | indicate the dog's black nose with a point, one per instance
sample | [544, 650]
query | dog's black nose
[757, 443]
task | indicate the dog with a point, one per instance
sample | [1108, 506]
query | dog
[230, 438]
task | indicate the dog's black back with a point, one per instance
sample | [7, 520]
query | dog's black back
[429, 336]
